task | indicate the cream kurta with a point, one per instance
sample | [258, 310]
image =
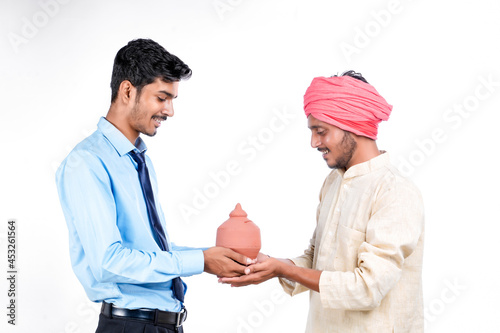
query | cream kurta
[369, 244]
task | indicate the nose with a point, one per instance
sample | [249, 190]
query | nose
[168, 110]
[315, 141]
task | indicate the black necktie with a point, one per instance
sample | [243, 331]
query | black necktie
[154, 220]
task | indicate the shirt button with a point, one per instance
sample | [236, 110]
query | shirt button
[345, 186]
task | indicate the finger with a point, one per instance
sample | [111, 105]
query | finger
[240, 258]
[228, 280]
[255, 268]
[233, 269]
[243, 280]
[261, 257]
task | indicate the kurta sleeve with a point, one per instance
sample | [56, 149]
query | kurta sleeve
[392, 234]
[291, 287]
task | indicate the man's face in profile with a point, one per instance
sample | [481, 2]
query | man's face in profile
[338, 146]
[152, 106]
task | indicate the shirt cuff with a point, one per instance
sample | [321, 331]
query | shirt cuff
[192, 262]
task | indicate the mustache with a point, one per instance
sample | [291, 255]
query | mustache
[160, 117]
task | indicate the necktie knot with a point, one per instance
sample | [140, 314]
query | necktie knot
[140, 158]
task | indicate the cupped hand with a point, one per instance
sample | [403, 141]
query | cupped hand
[266, 268]
[225, 262]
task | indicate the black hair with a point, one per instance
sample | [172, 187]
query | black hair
[354, 75]
[141, 62]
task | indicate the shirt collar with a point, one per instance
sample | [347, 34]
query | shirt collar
[118, 140]
[364, 168]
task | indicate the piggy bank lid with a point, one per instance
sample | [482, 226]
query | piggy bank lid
[238, 212]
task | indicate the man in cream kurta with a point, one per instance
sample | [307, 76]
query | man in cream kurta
[368, 243]
[363, 265]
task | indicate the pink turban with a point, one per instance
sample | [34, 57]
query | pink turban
[348, 103]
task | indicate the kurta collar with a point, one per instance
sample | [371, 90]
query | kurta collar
[122, 145]
[364, 168]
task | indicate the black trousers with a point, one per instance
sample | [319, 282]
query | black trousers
[126, 325]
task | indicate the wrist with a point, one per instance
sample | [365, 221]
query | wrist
[282, 269]
[205, 263]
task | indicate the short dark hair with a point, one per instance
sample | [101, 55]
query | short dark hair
[141, 62]
[354, 75]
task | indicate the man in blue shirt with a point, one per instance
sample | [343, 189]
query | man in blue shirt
[114, 247]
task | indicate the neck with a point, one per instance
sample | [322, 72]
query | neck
[366, 150]
[115, 117]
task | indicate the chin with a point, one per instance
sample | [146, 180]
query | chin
[335, 165]
[331, 165]
[153, 133]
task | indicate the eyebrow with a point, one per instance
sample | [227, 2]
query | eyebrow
[167, 93]
[316, 127]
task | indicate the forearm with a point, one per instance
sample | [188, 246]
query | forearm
[267, 268]
[305, 276]
[124, 265]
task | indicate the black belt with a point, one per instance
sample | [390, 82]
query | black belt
[153, 316]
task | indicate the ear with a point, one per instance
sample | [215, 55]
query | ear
[126, 92]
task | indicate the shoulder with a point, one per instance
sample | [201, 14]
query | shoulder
[392, 185]
[86, 156]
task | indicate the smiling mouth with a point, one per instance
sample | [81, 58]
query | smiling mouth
[324, 151]
[158, 120]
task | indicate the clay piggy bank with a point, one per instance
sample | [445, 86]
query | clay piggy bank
[239, 234]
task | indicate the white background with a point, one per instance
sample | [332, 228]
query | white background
[252, 60]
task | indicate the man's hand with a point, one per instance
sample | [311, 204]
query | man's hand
[225, 262]
[266, 268]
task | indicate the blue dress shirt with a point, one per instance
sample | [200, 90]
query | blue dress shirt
[112, 248]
